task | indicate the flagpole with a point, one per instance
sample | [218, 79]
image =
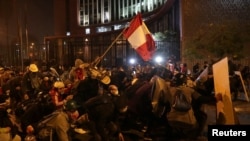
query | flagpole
[97, 61]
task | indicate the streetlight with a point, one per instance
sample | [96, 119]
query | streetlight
[158, 59]
[132, 61]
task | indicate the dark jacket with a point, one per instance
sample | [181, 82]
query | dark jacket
[100, 111]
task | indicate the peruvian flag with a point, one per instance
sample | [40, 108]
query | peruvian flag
[140, 38]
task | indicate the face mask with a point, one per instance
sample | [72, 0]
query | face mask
[74, 115]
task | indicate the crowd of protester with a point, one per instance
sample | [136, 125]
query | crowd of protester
[84, 102]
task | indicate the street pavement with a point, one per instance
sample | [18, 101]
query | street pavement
[241, 107]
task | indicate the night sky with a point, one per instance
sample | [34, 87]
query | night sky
[39, 21]
[40, 18]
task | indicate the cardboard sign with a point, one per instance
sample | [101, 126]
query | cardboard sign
[221, 85]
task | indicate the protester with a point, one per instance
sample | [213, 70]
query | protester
[8, 130]
[118, 98]
[120, 102]
[30, 134]
[15, 91]
[31, 81]
[57, 95]
[119, 77]
[46, 84]
[98, 119]
[78, 72]
[59, 123]
[102, 111]
[107, 110]
[188, 124]
[96, 106]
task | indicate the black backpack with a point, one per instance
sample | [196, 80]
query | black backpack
[44, 132]
[180, 102]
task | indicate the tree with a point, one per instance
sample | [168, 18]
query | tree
[165, 36]
[218, 41]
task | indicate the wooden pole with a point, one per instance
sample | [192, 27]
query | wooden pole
[97, 61]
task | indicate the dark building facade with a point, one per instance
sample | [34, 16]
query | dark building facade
[62, 30]
[23, 25]
[87, 29]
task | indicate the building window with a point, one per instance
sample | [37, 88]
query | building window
[118, 27]
[103, 29]
[100, 11]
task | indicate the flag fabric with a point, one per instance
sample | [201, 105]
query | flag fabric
[140, 38]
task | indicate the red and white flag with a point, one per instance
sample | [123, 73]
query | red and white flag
[140, 38]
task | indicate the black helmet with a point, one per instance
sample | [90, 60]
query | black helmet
[179, 79]
[71, 105]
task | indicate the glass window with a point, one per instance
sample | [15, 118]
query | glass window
[103, 29]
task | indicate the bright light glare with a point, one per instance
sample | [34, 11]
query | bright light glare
[158, 59]
[132, 61]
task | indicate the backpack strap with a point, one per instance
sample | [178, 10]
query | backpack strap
[47, 118]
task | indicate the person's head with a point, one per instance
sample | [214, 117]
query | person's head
[46, 78]
[68, 83]
[179, 79]
[59, 85]
[78, 62]
[71, 107]
[113, 89]
[29, 129]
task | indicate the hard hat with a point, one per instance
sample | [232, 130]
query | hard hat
[71, 105]
[59, 84]
[33, 68]
[105, 80]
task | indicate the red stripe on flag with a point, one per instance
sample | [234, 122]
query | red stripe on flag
[140, 38]
[134, 24]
